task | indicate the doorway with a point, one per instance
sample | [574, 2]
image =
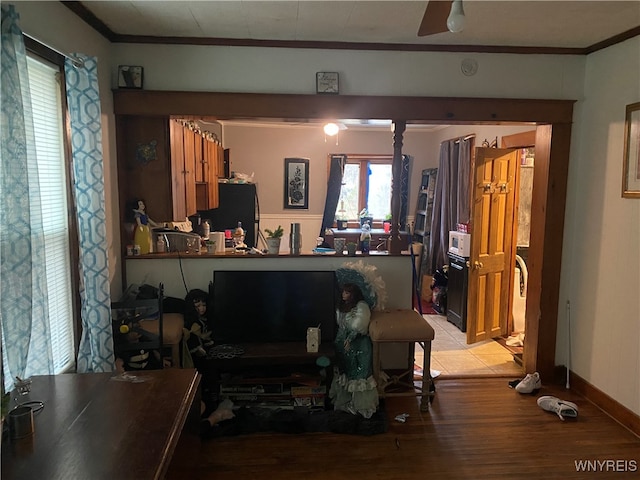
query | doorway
[493, 342]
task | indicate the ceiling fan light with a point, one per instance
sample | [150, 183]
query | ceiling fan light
[456, 19]
[331, 129]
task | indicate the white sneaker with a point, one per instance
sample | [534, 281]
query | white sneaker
[562, 407]
[529, 384]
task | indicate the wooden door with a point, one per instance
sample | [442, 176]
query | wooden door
[491, 243]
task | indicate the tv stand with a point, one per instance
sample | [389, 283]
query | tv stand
[272, 374]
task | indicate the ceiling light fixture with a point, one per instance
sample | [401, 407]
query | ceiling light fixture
[456, 20]
[331, 129]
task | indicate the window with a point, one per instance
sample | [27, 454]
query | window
[47, 122]
[366, 184]
[47, 109]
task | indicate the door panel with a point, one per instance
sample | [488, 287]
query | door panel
[493, 225]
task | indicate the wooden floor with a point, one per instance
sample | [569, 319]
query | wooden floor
[476, 428]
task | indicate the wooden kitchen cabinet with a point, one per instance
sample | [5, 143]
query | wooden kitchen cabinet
[194, 171]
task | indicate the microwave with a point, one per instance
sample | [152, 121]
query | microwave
[460, 243]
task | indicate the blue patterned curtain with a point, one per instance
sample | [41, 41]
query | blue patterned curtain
[23, 298]
[83, 99]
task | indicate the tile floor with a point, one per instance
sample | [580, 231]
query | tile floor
[451, 355]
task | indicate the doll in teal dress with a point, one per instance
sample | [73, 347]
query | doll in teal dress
[354, 388]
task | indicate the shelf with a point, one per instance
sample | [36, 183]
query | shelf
[285, 353]
[267, 374]
[128, 346]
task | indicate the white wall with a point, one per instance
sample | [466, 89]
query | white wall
[284, 70]
[56, 26]
[601, 253]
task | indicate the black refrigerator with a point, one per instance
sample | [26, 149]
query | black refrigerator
[238, 203]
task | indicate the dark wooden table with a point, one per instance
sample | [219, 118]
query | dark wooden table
[94, 427]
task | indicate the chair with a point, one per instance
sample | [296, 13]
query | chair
[172, 324]
[403, 326]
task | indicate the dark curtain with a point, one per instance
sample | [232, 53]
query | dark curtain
[464, 180]
[334, 184]
[404, 191]
[451, 202]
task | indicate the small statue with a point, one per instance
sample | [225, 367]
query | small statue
[365, 238]
[142, 233]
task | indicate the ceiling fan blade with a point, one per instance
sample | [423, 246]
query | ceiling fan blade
[435, 17]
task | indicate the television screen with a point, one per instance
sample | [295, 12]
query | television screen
[272, 306]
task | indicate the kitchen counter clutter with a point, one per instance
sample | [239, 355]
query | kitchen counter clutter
[379, 238]
[249, 254]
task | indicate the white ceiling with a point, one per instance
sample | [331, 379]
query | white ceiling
[539, 23]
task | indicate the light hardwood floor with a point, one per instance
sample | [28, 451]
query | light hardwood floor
[476, 429]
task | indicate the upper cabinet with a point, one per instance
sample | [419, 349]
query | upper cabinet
[194, 171]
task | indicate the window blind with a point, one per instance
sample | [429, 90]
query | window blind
[48, 127]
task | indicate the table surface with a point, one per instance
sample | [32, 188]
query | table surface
[96, 427]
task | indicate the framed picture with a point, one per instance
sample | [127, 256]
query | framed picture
[130, 76]
[296, 183]
[631, 165]
[327, 82]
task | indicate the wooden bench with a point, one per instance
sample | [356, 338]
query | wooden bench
[402, 326]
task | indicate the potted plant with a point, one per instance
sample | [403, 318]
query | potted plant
[274, 238]
[351, 249]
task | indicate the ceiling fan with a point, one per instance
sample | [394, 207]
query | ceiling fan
[442, 16]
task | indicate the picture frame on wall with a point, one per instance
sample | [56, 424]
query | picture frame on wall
[296, 183]
[631, 162]
[130, 76]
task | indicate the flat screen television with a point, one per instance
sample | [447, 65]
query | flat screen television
[272, 306]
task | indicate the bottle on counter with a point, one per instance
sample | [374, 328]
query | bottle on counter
[295, 239]
[238, 236]
[206, 230]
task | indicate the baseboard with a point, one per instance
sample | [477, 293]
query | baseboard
[611, 407]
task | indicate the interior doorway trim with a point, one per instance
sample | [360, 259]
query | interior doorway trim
[552, 120]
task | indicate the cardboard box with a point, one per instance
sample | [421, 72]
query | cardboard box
[425, 291]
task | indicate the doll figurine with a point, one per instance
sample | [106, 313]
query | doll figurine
[354, 388]
[196, 324]
[142, 233]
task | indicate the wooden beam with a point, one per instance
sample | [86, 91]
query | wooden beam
[436, 110]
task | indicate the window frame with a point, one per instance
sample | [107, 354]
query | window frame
[364, 160]
[38, 50]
